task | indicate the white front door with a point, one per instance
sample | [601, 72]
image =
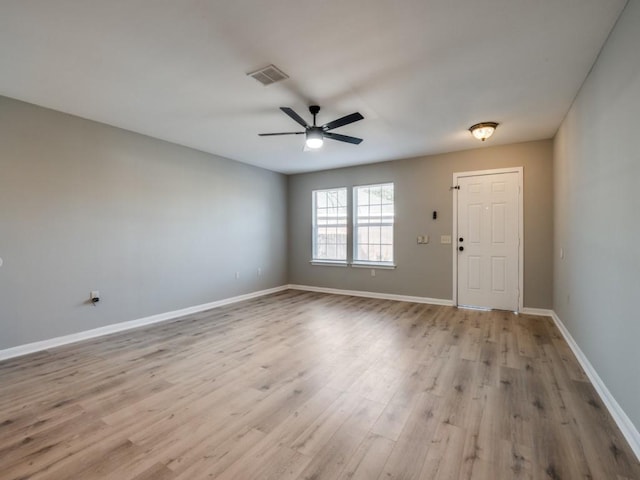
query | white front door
[487, 242]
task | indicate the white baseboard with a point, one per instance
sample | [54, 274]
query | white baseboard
[128, 325]
[624, 423]
[384, 296]
[542, 312]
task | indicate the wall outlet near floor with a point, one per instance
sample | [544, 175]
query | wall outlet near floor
[259, 272]
[373, 272]
[237, 275]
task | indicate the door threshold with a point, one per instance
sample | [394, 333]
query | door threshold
[485, 309]
[472, 307]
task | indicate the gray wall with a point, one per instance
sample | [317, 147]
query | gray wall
[154, 226]
[421, 186]
[597, 212]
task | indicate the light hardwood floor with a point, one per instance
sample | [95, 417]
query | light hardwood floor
[301, 385]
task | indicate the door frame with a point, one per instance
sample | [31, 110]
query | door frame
[454, 240]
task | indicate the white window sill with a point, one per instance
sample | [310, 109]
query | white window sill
[329, 263]
[382, 266]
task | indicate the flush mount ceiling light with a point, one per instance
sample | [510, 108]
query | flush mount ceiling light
[483, 130]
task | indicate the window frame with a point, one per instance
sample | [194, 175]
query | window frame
[314, 228]
[354, 230]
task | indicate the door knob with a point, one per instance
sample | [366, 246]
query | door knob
[461, 249]
[461, 239]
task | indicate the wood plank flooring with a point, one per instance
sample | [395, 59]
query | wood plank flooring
[301, 385]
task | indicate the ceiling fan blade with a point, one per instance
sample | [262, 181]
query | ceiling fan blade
[295, 116]
[354, 117]
[343, 138]
[281, 133]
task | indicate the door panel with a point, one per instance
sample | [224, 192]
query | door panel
[488, 219]
[498, 274]
[498, 219]
[474, 223]
[498, 187]
[474, 282]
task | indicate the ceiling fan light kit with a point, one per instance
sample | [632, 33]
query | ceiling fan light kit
[314, 137]
[314, 134]
[483, 130]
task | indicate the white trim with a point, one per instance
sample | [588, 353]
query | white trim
[491, 171]
[128, 325]
[384, 296]
[454, 239]
[355, 224]
[373, 266]
[314, 219]
[542, 312]
[624, 423]
[329, 263]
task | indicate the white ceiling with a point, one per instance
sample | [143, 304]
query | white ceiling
[420, 71]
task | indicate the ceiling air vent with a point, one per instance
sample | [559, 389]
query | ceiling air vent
[268, 75]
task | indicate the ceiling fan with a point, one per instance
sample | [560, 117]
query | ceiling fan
[316, 134]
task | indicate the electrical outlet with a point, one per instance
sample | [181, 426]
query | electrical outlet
[373, 272]
[237, 275]
[259, 271]
[94, 297]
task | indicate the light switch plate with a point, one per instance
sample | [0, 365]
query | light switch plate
[445, 239]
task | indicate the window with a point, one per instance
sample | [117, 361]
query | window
[330, 225]
[373, 223]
